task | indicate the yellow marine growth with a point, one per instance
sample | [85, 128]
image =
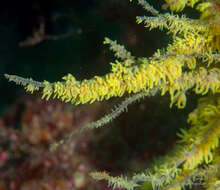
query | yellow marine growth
[194, 44]
[189, 63]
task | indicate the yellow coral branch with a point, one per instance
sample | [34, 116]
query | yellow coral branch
[204, 135]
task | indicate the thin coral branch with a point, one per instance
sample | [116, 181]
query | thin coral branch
[115, 182]
[24, 81]
[120, 51]
[148, 7]
[105, 119]
[174, 23]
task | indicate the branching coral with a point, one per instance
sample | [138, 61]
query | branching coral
[190, 62]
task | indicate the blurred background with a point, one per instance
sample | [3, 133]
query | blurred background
[45, 40]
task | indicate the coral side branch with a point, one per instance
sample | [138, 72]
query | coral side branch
[115, 182]
[29, 84]
[120, 51]
[167, 77]
[148, 7]
[23, 81]
[174, 23]
[105, 119]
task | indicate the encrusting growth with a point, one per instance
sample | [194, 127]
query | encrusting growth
[190, 62]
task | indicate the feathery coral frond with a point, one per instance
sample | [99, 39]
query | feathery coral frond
[189, 62]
